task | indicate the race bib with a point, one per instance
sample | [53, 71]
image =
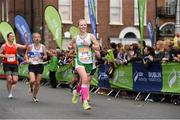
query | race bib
[84, 54]
[35, 57]
[11, 58]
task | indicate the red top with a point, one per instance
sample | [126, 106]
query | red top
[11, 51]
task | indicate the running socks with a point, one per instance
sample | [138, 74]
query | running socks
[85, 95]
[84, 92]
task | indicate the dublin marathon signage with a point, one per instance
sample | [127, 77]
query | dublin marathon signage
[147, 79]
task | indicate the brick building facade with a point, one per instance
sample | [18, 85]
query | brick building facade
[32, 10]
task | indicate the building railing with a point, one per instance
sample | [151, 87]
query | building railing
[166, 11]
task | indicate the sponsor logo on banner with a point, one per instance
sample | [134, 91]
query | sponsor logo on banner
[147, 79]
[155, 76]
[139, 76]
[173, 78]
[118, 76]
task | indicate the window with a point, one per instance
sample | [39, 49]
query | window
[65, 9]
[87, 11]
[130, 35]
[170, 6]
[136, 18]
[167, 30]
[116, 12]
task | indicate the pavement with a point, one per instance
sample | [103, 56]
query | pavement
[56, 104]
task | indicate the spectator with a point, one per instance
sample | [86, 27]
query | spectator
[148, 56]
[53, 66]
[102, 59]
[134, 53]
[159, 50]
[122, 56]
[103, 73]
[176, 52]
[167, 51]
[114, 49]
[176, 37]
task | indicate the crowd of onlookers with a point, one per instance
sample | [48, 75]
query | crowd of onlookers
[163, 50]
[167, 50]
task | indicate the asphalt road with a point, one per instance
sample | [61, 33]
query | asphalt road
[56, 104]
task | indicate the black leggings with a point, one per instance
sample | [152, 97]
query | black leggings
[52, 77]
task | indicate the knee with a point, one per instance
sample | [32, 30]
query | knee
[85, 80]
[31, 81]
[14, 81]
[37, 82]
[9, 79]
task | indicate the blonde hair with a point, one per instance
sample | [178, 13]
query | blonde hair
[161, 44]
[81, 20]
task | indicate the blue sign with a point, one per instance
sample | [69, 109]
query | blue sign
[92, 16]
[23, 28]
[147, 79]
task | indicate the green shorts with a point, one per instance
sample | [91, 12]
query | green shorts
[87, 67]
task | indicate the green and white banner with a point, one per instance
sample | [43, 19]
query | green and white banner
[6, 28]
[141, 12]
[64, 73]
[171, 77]
[54, 23]
[122, 77]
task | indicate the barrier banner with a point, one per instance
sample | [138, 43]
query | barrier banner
[64, 74]
[1, 70]
[122, 77]
[94, 80]
[23, 70]
[171, 77]
[45, 74]
[158, 78]
[147, 79]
